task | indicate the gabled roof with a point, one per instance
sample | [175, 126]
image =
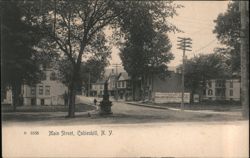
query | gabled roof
[123, 76]
[100, 81]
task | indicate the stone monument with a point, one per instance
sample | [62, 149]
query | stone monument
[105, 104]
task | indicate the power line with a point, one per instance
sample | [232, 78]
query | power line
[203, 47]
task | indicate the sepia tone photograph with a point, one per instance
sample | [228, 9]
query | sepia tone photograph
[132, 78]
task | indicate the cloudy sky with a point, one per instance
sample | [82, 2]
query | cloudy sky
[196, 20]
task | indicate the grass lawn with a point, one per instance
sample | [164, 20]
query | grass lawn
[44, 108]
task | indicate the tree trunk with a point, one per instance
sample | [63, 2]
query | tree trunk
[16, 92]
[71, 112]
[72, 90]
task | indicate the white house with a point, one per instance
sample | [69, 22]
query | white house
[50, 91]
[217, 89]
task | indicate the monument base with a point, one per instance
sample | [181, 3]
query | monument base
[105, 107]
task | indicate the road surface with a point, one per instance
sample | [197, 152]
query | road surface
[136, 131]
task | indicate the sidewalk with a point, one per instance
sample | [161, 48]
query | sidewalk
[151, 105]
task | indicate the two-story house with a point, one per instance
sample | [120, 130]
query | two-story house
[97, 88]
[50, 91]
[124, 86]
[222, 89]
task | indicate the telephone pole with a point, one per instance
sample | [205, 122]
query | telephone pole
[185, 45]
[244, 52]
[116, 79]
[89, 86]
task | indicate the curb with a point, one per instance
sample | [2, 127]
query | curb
[148, 106]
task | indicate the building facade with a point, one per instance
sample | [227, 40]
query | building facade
[50, 91]
[218, 89]
[97, 88]
[155, 85]
[124, 86]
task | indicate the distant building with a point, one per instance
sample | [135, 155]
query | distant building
[218, 89]
[50, 91]
[124, 86]
[155, 85]
[97, 88]
[7, 99]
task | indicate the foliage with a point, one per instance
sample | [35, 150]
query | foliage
[204, 67]
[227, 30]
[146, 45]
[18, 64]
[75, 29]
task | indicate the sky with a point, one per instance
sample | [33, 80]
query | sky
[196, 19]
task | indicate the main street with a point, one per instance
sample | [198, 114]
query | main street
[122, 113]
[136, 131]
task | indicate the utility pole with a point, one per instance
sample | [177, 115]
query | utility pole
[89, 86]
[185, 45]
[116, 79]
[244, 52]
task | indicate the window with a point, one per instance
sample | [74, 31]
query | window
[231, 92]
[231, 84]
[33, 90]
[33, 101]
[41, 90]
[43, 77]
[123, 85]
[42, 101]
[210, 92]
[209, 84]
[47, 90]
[53, 76]
[101, 86]
[119, 84]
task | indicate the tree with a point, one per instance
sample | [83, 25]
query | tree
[92, 69]
[228, 31]
[200, 69]
[18, 64]
[147, 47]
[76, 29]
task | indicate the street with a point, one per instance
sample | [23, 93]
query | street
[122, 113]
[136, 131]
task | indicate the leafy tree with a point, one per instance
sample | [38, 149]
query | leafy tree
[18, 64]
[76, 29]
[227, 30]
[200, 69]
[147, 47]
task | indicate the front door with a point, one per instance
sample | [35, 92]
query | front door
[42, 101]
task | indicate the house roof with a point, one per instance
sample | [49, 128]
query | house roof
[99, 81]
[123, 76]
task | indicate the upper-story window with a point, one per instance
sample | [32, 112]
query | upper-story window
[101, 86]
[231, 84]
[33, 90]
[43, 77]
[41, 90]
[209, 84]
[231, 92]
[123, 84]
[220, 83]
[47, 90]
[53, 76]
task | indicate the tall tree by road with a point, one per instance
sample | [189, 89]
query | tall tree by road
[18, 64]
[227, 29]
[74, 27]
[146, 48]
